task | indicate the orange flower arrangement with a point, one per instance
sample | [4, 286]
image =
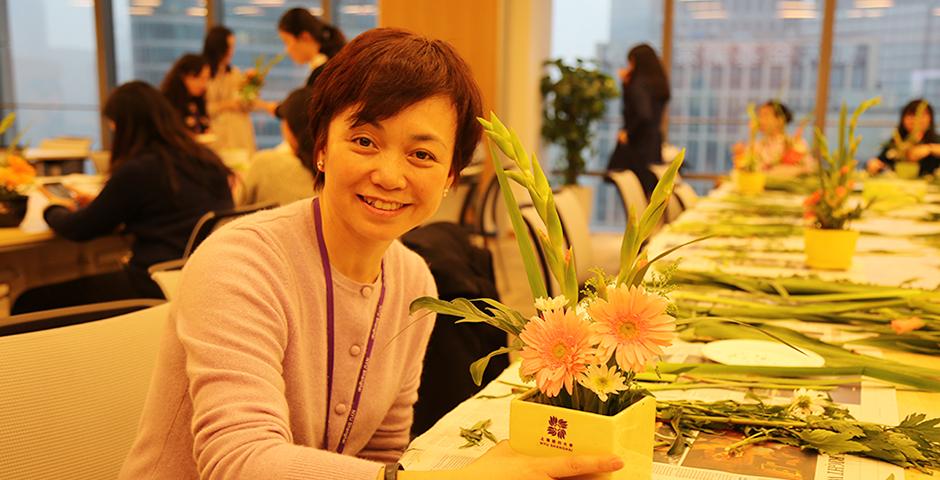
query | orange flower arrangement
[16, 174]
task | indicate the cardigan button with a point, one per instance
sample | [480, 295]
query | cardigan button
[340, 408]
[355, 350]
[365, 291]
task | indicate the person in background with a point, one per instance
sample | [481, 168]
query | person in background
[645, 95]
[284, 175]
[777, 152]
[308, 41]
[262, 370]
[185, 87]
[162, 181]
[924, 146]
[228, 112]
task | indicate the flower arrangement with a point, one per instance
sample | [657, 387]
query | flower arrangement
[16, 174]
[573, 101]
[746, 158]
[583, 353]
[827, 208]
[254, 77]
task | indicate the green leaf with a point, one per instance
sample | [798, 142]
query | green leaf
[478, 367]
[832, 443]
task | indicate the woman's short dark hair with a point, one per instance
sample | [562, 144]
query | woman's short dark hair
[295, 110]
[215, 47]
[780, 110]
[384, 71]
[649, 69]
[298, 20]
[911, 109]
[146, 123]
[175, 90]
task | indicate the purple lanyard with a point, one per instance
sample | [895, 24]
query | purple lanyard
[330, 335]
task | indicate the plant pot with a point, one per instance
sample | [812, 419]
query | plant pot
[549, 431]
[829, 249]
[750, 183]
[907, 170]
[12, 211]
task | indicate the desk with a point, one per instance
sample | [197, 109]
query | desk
[32, 255]
[439, 448]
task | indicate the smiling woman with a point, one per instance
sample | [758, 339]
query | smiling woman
[264, 370]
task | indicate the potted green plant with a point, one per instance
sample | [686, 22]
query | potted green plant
[749, 179]
[829, 244]
[574, 98]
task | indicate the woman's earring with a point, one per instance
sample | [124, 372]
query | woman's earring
[320, 165]
[446, 190]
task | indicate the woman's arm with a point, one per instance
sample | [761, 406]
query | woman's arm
[118, 201]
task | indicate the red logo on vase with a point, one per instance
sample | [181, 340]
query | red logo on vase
[557, 427]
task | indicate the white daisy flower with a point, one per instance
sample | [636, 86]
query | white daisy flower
[543, 304]
[807, 403]
[603, 381]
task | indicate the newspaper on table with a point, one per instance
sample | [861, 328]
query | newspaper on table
[440, 448]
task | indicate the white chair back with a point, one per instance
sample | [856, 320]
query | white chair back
[577, 230]
[71, 397]
[631, 191]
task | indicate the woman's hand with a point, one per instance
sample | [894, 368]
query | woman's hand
[622, 136]
[918, 152]
[874, 166]
[504, 463]
[264, 105]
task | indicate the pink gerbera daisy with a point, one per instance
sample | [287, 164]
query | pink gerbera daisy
[557, 350]
[634, 324]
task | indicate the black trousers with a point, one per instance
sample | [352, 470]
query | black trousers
[123, 284]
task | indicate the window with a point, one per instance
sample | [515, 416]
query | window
[771, 53]
[53, 88]
[890, 51]
[150, 36]
[355, 16]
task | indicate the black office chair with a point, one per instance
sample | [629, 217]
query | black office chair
[207, 224]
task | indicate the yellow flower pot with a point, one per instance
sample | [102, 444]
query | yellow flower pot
[549, 431]
[907, 170]
[749, 183]
[829, 249]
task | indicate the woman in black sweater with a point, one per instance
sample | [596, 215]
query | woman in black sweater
[920, 131]
[308, 41]
[161, 183]
[185, 87]
[645, 95]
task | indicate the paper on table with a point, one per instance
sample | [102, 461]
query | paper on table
[439, 448]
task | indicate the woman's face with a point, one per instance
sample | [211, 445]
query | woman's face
[768, 121]
[227, 59]
[196, 84]
[388, 178]
[913, 123]
[301, 49]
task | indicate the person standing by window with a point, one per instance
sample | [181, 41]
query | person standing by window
[308, 41]
[645, 95]
[185, 87]
[228, 112]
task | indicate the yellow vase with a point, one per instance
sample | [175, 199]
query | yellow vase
[829, 249]
[907, 170]
[749, 183]
[550, 431]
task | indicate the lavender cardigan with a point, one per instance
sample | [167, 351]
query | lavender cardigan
[239, 391]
